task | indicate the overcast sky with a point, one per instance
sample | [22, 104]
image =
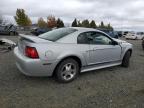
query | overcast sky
[120, 13]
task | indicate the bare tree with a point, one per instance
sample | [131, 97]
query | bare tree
[1, 19]
[51, 21]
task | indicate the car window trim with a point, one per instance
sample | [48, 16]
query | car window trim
[96, 32]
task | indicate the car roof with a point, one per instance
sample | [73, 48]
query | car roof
[82, 29]
[72, 36]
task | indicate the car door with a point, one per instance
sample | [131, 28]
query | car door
[102, 50]
[84, 47]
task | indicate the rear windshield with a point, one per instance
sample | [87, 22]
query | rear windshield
[57, 34]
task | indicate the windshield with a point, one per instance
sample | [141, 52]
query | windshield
[57, 34]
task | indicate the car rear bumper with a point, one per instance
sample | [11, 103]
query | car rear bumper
[33, 67]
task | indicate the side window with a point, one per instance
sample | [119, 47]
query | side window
[100, 39]
[83, 38]
[92, 37]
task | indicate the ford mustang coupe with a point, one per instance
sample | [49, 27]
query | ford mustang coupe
[66, 52]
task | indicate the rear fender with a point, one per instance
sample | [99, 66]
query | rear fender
[66, 55]
[56, 52]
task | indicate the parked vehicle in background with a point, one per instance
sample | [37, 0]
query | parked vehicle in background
[111, 33]
[66, 52]
[135, 35]
[140, 35]
[6, 45]
[125, 33]
[130, 35]
[38, 31]
[8, 30]
[119, 33]
[143, 43]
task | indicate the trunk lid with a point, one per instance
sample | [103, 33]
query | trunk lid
[33, 39]
[28, 40]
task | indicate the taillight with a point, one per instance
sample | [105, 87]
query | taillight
[31, 52]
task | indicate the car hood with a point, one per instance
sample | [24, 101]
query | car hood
[120, 41]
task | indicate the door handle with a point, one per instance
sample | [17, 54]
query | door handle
[97, 48]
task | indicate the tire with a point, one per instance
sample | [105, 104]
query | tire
[11, 33]
[16, 33]
[143, 44]
[126, 59]
[67, 70]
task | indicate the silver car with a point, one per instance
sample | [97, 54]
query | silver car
[66, 52]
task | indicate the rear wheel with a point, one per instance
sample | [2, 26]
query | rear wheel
[11, 33]
[126, 59]
[67, 70]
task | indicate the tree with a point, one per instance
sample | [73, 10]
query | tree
[85, 23]
[74, 23]
[79, 24]
[41, 23]
[51, 21]
[92, 24]
[1, 19]
[109, 27]
[21, 18]
[29, 22]
[60, 23]
[102, 25]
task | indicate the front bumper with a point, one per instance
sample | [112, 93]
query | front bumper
[33, 67]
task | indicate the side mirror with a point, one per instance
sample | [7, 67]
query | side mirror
[114, 43]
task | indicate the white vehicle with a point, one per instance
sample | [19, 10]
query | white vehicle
[140, 35]
[134, 35]
[125, 33]
[65, 52]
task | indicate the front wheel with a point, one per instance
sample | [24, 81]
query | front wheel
[143, 44]
[67, 70]
[126, 59]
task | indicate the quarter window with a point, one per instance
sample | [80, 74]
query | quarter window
[57, 34]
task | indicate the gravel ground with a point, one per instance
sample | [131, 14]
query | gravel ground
[114, 87]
